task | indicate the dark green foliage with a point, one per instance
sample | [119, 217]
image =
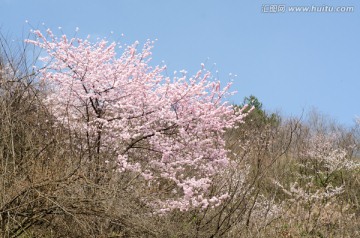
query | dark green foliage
[258, 117]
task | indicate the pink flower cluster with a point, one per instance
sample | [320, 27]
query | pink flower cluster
[164, 128]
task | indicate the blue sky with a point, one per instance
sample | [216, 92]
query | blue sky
[290, 61]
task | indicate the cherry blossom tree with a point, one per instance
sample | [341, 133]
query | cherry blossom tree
[166, 130]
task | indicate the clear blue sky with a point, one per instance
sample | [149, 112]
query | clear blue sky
[290, 61]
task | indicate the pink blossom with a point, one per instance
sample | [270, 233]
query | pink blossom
[156, 125]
